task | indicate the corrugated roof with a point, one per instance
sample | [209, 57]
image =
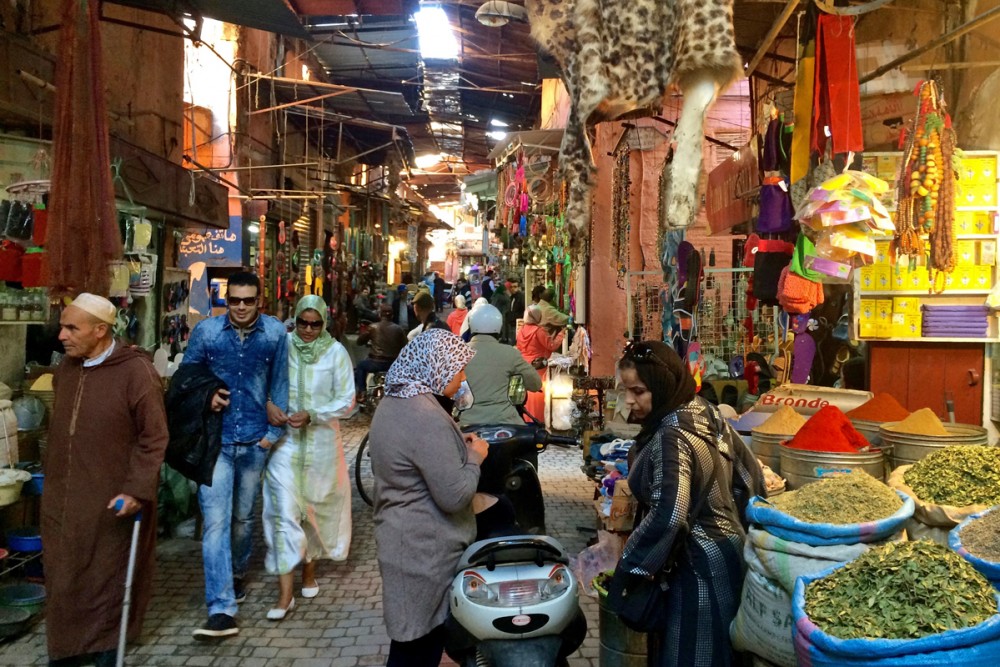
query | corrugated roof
[270, 15]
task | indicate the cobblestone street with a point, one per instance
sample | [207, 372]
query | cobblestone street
[342, 627]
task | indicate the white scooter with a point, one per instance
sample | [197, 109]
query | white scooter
[514, 601]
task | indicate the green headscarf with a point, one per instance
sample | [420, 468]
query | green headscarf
[310, 353]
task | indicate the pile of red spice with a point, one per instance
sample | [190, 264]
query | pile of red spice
[882, 407]
[829, 430]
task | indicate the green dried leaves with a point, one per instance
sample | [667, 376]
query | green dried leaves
[853, 498]
[960, 475]
[900, 590]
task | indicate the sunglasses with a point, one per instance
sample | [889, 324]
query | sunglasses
[306, 324]
[246, 300]
[642, 353]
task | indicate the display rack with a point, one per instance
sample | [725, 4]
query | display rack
[887, 299]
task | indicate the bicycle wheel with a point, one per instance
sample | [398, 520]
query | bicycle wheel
[363, 477]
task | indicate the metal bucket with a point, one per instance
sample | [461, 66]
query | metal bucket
[800, 467]
[869, 429]
[620, 646]
[909, 448]
[766, 447]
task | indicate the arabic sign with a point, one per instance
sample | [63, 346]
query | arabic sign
[215, 247]
[726, 202]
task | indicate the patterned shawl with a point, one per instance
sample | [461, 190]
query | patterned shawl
[427, 364]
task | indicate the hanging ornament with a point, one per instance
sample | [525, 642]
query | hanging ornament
[926, 190]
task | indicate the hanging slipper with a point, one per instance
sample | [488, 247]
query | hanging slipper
[295, 239]
[281, 232]
[295, 262]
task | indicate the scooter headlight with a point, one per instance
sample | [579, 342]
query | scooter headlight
[557, 583]
[475, 589]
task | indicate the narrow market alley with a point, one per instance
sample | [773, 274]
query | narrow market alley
[342, 627]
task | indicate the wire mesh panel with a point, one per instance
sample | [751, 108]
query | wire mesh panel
[645, 304]
[726, 326]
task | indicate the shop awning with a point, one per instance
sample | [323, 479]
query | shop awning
[269, 15]
[483, 184]
[533, 142]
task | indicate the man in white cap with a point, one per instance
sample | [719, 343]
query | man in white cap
[107, 437]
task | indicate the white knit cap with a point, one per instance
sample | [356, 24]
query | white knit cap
[97, 306]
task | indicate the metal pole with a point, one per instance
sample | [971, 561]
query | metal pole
[963, 29]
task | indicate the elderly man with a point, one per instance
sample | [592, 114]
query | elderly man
[107, 437]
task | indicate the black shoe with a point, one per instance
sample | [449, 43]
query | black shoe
[240, 589]
[219, 625]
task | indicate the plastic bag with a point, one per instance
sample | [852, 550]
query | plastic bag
[29, 411]
[596, 559]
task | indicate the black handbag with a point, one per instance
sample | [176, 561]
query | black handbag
[640, 602]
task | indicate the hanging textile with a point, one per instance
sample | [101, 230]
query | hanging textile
[83, 231]
[803, 109]
[837, 95]
[620, 222]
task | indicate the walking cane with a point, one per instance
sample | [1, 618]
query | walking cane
[127, 601]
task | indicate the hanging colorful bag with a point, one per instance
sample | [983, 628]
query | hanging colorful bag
[776, 215]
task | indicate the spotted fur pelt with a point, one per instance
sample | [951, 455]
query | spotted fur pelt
[621, 55]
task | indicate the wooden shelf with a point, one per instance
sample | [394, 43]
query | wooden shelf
[925, 293]
[931, 340]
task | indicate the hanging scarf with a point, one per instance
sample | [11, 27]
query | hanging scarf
[660, 368]
[310, 353]
[427, 364]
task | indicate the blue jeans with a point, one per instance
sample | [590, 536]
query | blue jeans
[227, 510]
[366, 367]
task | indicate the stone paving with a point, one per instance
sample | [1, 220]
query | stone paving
[342, 627]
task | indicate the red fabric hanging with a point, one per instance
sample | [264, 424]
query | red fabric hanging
[83, 231]
[837, 94]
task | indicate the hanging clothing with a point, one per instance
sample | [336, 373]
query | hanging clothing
[805, 80]
[837, 94]
[307, 491]
[108, 435]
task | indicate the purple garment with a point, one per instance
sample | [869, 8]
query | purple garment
[776, 211]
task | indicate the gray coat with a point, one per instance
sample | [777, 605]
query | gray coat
[488, 375]
[424, 483]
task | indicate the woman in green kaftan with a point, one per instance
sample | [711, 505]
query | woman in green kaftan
[307, 493]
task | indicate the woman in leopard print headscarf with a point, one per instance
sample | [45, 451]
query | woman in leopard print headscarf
[426, 474]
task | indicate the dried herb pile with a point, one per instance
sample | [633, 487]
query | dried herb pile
[981, 537]
[959, 475]
[901, 590]
[853, 498]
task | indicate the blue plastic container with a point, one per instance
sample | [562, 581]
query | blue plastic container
[27, 540]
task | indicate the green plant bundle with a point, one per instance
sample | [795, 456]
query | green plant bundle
[960, 475]
[853, 498]
[900, 590]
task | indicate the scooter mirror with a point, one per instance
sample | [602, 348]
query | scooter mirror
[516, 393]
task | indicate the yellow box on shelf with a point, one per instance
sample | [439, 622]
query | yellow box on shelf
[977, 194]
[962, 278]
[883, 278]
[882, 252]
[917, 279]
[883, 318]
[898, 277]
[966, 252]
[973, 222]
[982, 277]
[913, 325]
[867, 318]
[905, 305]
[887, 167]
[866, 279]
[979, 169]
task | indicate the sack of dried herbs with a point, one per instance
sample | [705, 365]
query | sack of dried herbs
[763, 624]
[902, 604]
[977, 540]
[932, 520]
[846, 509]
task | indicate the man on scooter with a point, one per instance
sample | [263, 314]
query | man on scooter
[489, 372]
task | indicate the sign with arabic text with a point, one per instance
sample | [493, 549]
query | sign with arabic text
[215, 247]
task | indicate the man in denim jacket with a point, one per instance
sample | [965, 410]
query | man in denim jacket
[249, 352]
